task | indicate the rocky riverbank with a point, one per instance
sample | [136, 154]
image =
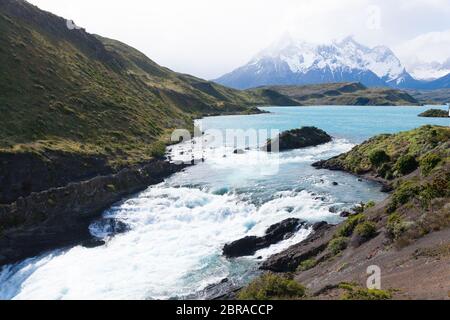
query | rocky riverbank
[406, 237]
[60, 217]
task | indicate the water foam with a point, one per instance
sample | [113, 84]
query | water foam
[174, 231]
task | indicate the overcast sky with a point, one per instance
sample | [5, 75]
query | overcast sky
[208, 38]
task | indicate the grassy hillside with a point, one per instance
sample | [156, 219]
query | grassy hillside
[338, 94]
[69, 90]
[440, 96]
[417, 165]
[74, 105]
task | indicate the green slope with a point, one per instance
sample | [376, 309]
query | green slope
[74, 105]
[337, 94]
[69, 90]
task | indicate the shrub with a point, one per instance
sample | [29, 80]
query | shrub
[349, 225]
[438, 188]
[158, 149]
[406, 164]
[356, 293]
[366, 230]
[337, 245]
[395, 226]
[370, 204]
[429, 162]
[270, 286]
[402, 195]
[378, 157]
[307, 264]
[385, 171]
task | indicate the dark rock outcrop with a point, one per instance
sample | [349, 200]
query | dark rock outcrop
[111, 226]
[24, 173]
[60, 217]
[297, 139]
[331, 164]
[276, 233]
[289, 260]
[435, 113]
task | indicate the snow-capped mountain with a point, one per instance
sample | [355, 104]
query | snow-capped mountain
[296, 62]
[430, 70]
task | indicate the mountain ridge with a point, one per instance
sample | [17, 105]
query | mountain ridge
[351, 93]
[295, 62]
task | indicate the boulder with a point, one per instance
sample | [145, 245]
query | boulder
[249, 245]
[289, 259]
[298, 138]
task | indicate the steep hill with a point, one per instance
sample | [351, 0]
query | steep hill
[74, 105]
[335, 94]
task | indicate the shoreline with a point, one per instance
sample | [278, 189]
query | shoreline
[60, 217]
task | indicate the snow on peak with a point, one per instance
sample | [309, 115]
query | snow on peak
[345, 54]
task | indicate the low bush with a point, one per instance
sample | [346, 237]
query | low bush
[366, 230]
[270, 286]
[353, 292]
[395, 226]
[402, 195]
[406, 164]
[378, 157]
[337, 245]
[429, 162]
[347, 227]
[369, 205]
[307, 264]
[385, 171]
[158, 149]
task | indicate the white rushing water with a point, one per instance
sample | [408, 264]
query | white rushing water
[177, 231]
[174, 230]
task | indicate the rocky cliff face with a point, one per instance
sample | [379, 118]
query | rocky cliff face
[60, 217]
[24, 173]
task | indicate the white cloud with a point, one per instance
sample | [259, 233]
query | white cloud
[427, 55]
[208, 38]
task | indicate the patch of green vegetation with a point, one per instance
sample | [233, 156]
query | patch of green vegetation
[395, 226]
[366, 230]
[439, 187]
[429, 162]
[307, 264]
[385, 171]
[337, 245]
[403, 194]
[369, 205]
[378, 157]
[406, 164]
[401, 148]
[349, 225]
[158, 149]
[272, 287]
[354, 292]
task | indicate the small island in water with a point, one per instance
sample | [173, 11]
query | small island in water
[435, 113]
